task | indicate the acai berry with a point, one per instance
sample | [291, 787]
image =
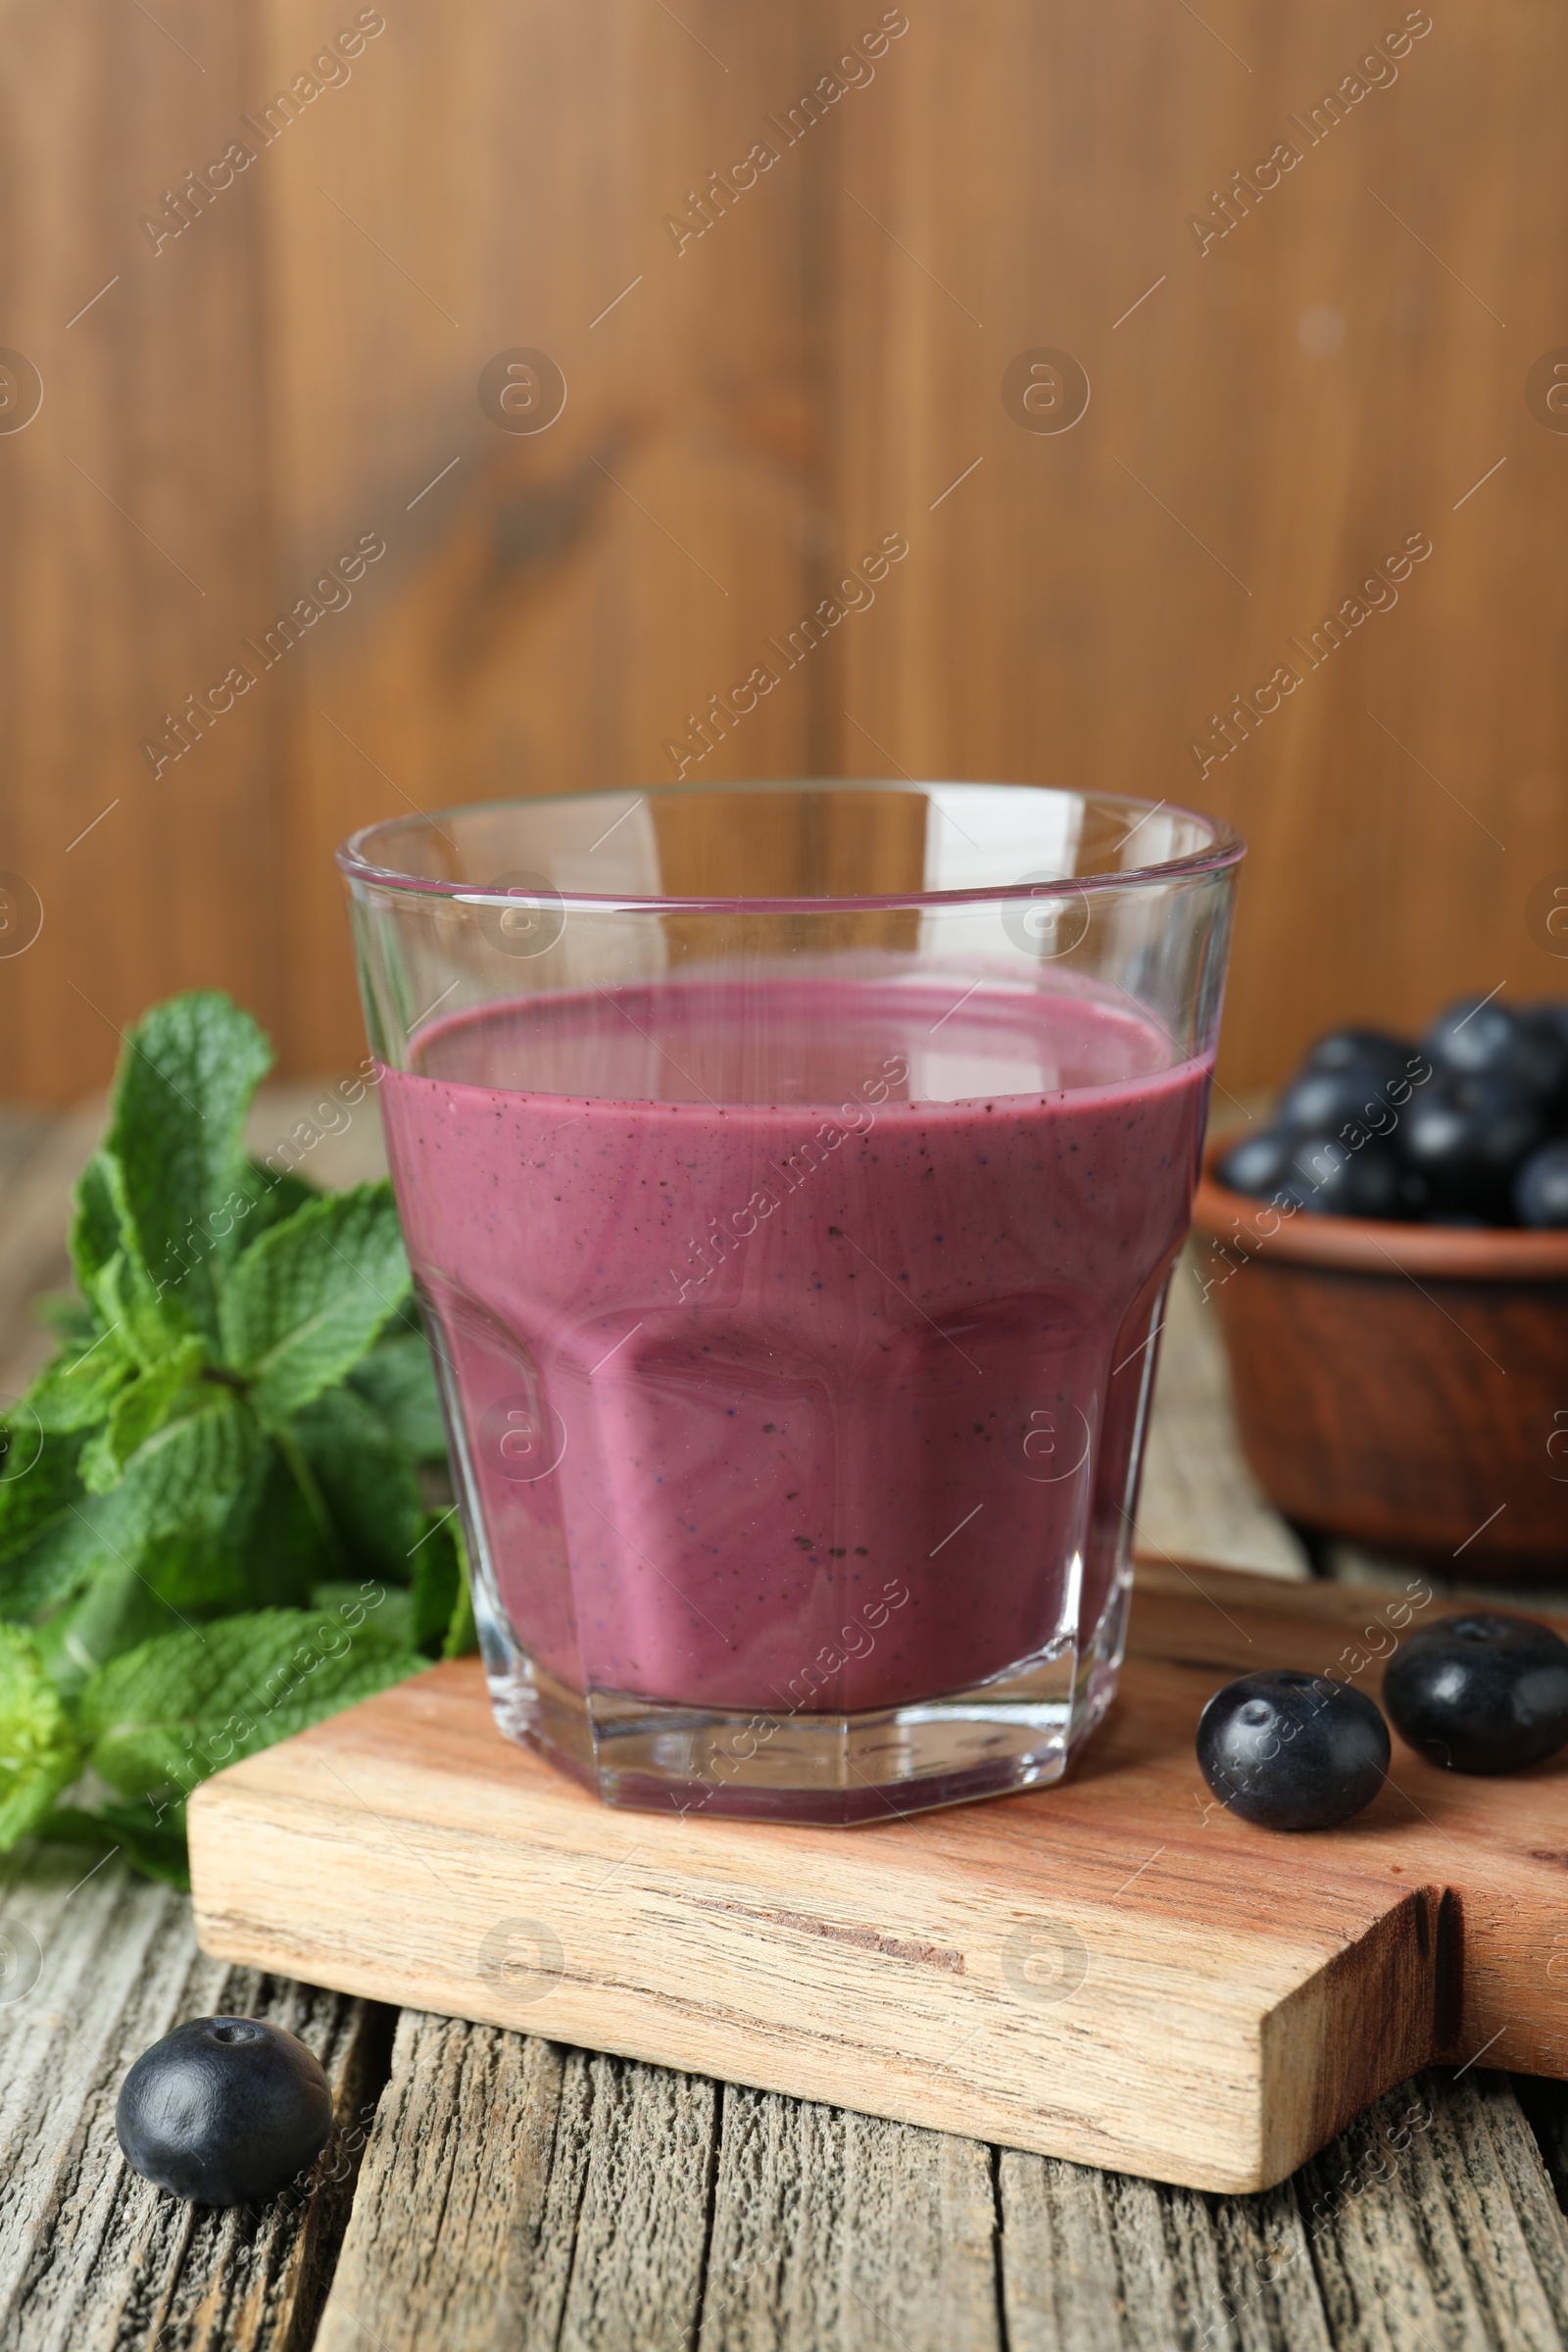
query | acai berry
[1468, 1138]
[1541, 1188]
[1292, 1752]
[1371, 1053]
[1481, 1693]
[1482, 1038]
[1258, 1164]
[1469, 1128]
[1337, 1182]
[223, 2111]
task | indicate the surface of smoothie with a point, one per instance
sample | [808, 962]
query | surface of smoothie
[795, 1329]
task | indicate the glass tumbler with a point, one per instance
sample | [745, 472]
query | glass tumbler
[792, 1174]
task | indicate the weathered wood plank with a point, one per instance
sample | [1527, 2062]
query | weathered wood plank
[517, 2194]
[1462, 2244]
[92, 2258]
[831, 2228]
[1429, 2223]
[452, 2189]
[637, 2143]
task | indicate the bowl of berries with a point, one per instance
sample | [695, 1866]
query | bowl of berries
[1389, 1260]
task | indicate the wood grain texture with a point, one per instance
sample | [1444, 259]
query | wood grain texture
[1274, 419]
[819, 366]
[594, 2202]
[551, 611]
[990, 1969]
[138, 526]
[1400, 1386]
[92, 2258]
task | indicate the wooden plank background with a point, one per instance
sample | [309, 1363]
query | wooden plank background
[820, 366]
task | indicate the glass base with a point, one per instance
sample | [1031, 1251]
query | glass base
[1020, 1729]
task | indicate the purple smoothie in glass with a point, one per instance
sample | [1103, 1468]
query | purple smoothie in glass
[795, 1327]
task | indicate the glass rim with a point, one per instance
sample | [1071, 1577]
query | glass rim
[1225, 847]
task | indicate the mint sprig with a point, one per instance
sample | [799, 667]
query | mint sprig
[224, 1510]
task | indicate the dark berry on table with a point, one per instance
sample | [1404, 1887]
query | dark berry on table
[1467, 1139]
[1372, 1051]
[1257, 1164]
[1322, 1102]
[1541, 1188]
[1292, 1752]
[1339, 1182]
[1481, 1693]
[223, 2111]
[1476, 1038]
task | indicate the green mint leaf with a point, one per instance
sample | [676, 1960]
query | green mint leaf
[96, 1232]
[306, 1300]
[391, 1611]
[39, 1753]
[118, 1292]
[398, 1378]
[437, 1580]
[180, 1479]
[272, 1196]
[79, 1388]
[367, 1480]
[152, 1837]
[115, 1611]
[178, 1582]
[137, 1413]
[163, 1717]
[54, 1534]
[463, 1634]
[189, 1070]
[270, 1536]
[48, 1544]
[74, 1324]
[147, 1328]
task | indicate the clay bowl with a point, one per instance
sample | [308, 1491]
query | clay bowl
[1401, 1385]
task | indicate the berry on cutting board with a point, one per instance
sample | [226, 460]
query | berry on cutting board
[223, 2111]
[1292, 1752]
[1481, 1692]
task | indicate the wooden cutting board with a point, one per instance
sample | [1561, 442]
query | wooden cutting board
[1113, 1970]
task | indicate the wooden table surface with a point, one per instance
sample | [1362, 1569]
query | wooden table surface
[485, 2189]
